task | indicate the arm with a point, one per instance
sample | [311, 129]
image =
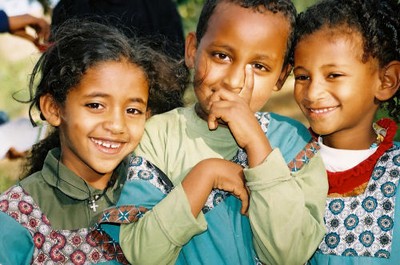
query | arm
[211, 174]
[159, 235]
[17, 26]
[16, 243]
[288, 208]
[3, 22]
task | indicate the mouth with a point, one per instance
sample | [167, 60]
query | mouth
[107, 146]
[320, 111]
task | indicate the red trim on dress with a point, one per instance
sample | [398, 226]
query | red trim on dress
[346, 181]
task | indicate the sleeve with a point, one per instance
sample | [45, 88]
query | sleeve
[159, 235]
[287, 207]
[16, 243]
[4, 26]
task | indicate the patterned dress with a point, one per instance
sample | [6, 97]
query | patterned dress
[364, 228]
[27, 234]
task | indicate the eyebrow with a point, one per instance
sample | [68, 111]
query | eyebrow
[256, 57]
[323, 66]
[104, 95]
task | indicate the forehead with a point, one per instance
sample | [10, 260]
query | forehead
[334, 47]
[338, 37]
[251, 28]
[116, 79]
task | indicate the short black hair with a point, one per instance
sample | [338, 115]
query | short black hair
[286, 7]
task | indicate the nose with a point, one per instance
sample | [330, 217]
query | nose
[314, 91]
[115, 122]
[234, 78]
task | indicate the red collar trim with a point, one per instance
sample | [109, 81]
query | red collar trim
[346, 181]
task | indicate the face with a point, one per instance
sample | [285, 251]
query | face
[334, 88]
[103, 119]
[236, 37]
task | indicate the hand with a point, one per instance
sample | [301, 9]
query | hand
[234, 110]
[211, 174]
[12, 154]
[19, 24]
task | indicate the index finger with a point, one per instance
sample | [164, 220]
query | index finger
[247, 90]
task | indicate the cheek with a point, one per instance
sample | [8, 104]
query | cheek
[136, 131]
[298, 94]
[258, 100]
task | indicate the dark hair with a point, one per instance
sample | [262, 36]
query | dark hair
[81, 44]
[376, 20]
[285, 7]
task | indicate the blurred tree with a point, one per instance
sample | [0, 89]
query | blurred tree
[45, 4]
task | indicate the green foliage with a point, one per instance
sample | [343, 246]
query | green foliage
[14, 77]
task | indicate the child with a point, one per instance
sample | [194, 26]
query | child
[93, 88]
[239, 55]
[346, 66]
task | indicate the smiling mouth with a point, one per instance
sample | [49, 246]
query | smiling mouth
[106, 144]
[321, 110]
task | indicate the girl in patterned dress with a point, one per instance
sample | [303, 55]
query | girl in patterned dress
[93, 88]
[346, 67]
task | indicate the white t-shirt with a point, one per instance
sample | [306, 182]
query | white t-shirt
[342, 159]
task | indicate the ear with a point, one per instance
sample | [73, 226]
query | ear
[286, 70]
[390, 78]
[190, 49]
[50, 110]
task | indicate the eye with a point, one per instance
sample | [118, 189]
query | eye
[301, 77]
[334, 75]
[134, 111]
[221, 56]
[94, 105]
[260, 67]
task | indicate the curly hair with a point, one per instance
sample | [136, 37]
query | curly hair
[376, 20]
[285, 7]
[78, 47]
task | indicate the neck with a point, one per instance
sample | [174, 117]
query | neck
[351, 140]
[99, 183]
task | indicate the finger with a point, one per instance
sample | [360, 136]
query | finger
[244, 197]
[212, 122]
[43, 30]
[23, 34]
[247, 90]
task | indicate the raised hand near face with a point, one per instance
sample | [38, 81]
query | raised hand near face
[233, 109]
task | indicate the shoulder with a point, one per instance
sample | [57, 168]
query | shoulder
[284, 123]
[164, 119]
[287, 134]
[33, 182]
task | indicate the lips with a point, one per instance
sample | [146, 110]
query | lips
[321, 110]
[106, 145]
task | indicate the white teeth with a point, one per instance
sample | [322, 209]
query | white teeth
[106, 144]
[320, 111]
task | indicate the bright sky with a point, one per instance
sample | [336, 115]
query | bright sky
[18, 7]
